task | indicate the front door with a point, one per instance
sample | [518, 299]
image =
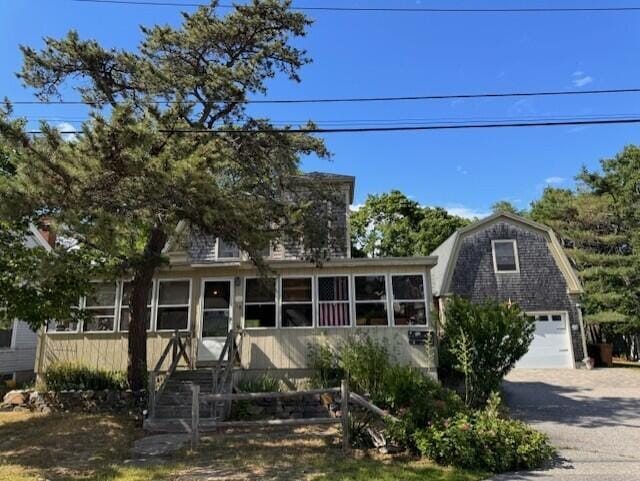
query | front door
[216, 318]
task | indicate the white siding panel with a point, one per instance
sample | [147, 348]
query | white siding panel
[23, 354]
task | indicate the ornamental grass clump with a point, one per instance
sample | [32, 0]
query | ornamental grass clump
[68, 376]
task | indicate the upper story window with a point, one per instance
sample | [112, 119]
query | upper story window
[371, 300]
[227, 250]
[125, 315]
[260, 303]
[101, 307]
[297, 302]
[505, 256]
[6, 337]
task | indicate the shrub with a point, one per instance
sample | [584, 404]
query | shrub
[483, 440]
[483, 342]
[63, 376]
[365, 363]
[264, 383]
[323, 362]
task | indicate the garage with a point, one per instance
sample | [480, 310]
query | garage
[551, 345]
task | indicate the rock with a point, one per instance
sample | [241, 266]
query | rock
[21, 409]
[34, 397]
[46, 410]
[15, 398]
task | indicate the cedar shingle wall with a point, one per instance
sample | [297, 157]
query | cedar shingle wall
[539, 286]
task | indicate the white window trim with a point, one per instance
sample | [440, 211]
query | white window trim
[156, 303]
[363, 301]
[201, 301]
[245, 303]
[282, 302]
[348, 302]
[121, 306]
[515, 253]
[116, 301]
[12, 345]
[79, 324]
[424, 299]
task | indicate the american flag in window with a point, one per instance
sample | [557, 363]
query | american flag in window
[333, 301]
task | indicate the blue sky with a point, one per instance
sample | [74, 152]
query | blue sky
[397, 54]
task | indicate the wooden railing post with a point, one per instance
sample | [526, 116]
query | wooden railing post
[152, 394]
[344, 414]
[195, 415]
[174, 352]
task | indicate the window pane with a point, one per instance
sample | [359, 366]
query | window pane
[125, 318]
[61, 326]
[102, 295]
[127, 288]
[173, 318]
[217, 294]
[173, 292]
[370, 288]
[409, 313]
[371, 314]
[408, 287]
[505, 256]
[297, 315]
[542, 317]
[296, 290]
[556, 317]
[227, 250]
[333, 288]
[5, 338]
[215, 324]
[261, 290]
[101, 320]
[334, 314]
[260, 315]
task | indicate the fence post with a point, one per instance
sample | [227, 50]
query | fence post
[195, 415]
[152, 394]
[174, 352]
[344, 415]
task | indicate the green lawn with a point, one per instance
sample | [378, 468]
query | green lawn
[74, 447]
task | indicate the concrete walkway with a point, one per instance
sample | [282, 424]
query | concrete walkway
[592, 418]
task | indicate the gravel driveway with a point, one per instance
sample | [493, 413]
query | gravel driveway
[592, 418]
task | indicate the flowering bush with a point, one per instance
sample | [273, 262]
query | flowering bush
[484, 440]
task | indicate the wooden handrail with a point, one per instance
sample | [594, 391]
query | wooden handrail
[371, 407]
[246, 396]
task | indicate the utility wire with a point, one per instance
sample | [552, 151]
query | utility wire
[385, 9]
[603, 121]
[549, 93]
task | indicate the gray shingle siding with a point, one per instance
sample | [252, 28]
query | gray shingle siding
[539, 286]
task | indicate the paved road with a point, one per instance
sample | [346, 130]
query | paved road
[592, 417]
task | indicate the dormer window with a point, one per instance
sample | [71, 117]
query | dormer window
[227, 250]
[505, 256]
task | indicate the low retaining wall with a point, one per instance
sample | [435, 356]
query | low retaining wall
[106, 401]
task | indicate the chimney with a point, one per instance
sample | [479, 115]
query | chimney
[46, 231]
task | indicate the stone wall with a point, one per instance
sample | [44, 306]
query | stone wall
[106, 401]
[307, 406]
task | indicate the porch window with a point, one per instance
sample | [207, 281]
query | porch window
[125, 298]
[101, 307]
[371, 301]
[173, 304]
[227, 250]
[6, 337]
[260, 303]
[505, 256]
[297, 302]
[333, 301]
[409, 305]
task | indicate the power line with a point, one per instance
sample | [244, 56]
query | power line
[405, 128]
[549, 93]
[385, 9]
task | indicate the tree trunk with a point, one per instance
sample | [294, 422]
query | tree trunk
[140, 288]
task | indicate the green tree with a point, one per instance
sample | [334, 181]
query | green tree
[391, 224]
[168, 140]
[506, 206]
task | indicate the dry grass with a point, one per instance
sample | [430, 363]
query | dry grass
[74, 447]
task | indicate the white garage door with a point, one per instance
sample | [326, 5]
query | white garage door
[551, 346]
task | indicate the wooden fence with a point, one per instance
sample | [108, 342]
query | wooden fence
[343, 419]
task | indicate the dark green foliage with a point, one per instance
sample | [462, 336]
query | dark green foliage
[493, 335]
[391, 224]
[64, 376]
[506, 206]
[264, 383]
[483, 440]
